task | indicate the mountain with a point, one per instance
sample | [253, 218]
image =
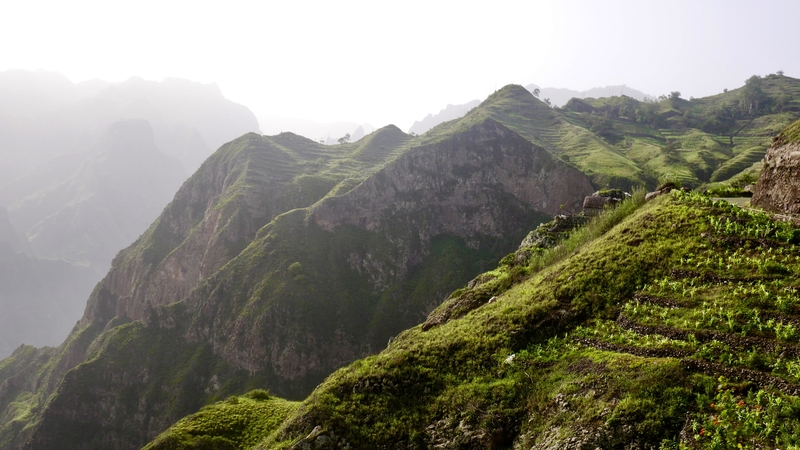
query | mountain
[659, 325]
[621, 142]
[84, 170]
[557, 96]
[450, 112]
[307, 256]
[45, 116]
[105, 203]
[281, 262]
[697, 142]
[560, 96]
[328, 133]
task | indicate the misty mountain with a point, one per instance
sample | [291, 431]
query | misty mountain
[84, 169]
[88, 206]
[43, 115]
[40, 300]
[560, 96]
[16, 240]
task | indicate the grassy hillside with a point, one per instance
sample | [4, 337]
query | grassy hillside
[282, 260]
[696, 141]
[278, 262]
[663, 325]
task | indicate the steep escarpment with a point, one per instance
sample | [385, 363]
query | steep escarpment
[242, 283]
[778, 187]
[214, 215]
[323, 286]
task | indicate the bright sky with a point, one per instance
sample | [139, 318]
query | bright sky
[379, 63]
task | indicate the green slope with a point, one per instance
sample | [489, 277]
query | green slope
[711, 139]
[215, 215]
[277, 263]
[282, 259]
[675, 325]
[518, 109]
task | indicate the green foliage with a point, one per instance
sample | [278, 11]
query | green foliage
[236, 423]
[789, 135]
[510, 370]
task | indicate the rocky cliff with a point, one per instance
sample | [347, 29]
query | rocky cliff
[778, 187]
[234, 287]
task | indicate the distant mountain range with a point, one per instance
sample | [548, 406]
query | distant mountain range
[84, 169]
[560, 96]
[556, 96]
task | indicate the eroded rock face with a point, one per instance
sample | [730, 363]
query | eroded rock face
[466, 180]
[778, 187]
[481, 186]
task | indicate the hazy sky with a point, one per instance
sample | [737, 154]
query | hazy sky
[381, 62]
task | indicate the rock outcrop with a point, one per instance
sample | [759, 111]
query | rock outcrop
[778, 187]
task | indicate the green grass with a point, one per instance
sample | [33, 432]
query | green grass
[508, 373]
[790, 135]
[532, 353]
[235, 423]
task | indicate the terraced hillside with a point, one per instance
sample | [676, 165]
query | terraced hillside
[697, 141]
[621, 142]
[282, 260]
[671, 324]
[276, 263]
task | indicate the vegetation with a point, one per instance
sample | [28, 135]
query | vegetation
[649, 312]
[682, 305]
[236, 423]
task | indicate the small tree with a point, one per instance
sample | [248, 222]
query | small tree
[547, 102]
[674, 95]
[344, 139]
[753, 97]
[536, 92]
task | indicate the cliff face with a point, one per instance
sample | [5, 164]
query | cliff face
[778, 187]
[234, 287]
[353, 270]
[477, 185]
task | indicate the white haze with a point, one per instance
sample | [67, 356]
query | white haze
[379, 62]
